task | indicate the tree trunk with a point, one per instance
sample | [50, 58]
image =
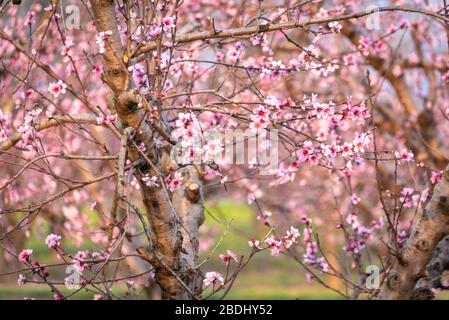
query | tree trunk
[431, 227]
[174, 235]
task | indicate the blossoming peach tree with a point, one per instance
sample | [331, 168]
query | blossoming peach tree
[115, 115]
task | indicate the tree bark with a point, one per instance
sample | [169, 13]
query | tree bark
[438, 264]
[431, 227]
[174, 236]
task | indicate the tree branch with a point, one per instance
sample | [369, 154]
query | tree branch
[431, 227]
[53, 122]
[252, 30]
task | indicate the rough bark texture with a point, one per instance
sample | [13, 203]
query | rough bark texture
[431, 227]
[174, 235]
[188, 203]
[438, 264]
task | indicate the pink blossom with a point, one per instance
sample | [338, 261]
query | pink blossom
[346, 149]
[169, 22]
[53, 241]
[404, 155]
[406, 197]
[21, 280]
[24, 255]
[402, 235]
[264, 216]
[92, 205]
[274, 70]
[56, 88]
[322, 110]
[57, 296]
[79, 258]
[30, 18]
[355, 199]
[306, 219]
[97, 69]
[226, 258]
[335, 26]
[173, 181]
[232, 55]
[67, 48]
[219, 56]
[111, 118]
[436, 176]
[213, 277]
[102, 39]
[253, 243]
[290, 238]
[101, 119]
[140, 77]
[364, 44]
[445, 77]
[150, 181]
[330, 151]
[360, 142]
[274, 245]
[129, 284]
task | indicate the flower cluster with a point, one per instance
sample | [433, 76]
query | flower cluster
[174, 180]
[260, 118]
[436, 176]
[21, 280]
[30, 18]
[213, 278]
[67, 48]
[335, 26]
[253, 243]
[226, 258]
[359, 236]
[150, 181]
[140, 78]
[193, 144]
[102, 39]
[264, 217]
[274, 70]
[290, 238]
[276, 246]
[404, 155]
[364, 45]
[110, 119]
[4, 121]
[53, 241]
[29, 133]
[56, 88]
[24, 255]
[310, 256]
[78, 260]
[409, 199]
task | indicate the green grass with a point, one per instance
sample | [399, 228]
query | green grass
[265, 277]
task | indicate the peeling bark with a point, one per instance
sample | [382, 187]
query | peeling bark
[438, 264]
[188, 203]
